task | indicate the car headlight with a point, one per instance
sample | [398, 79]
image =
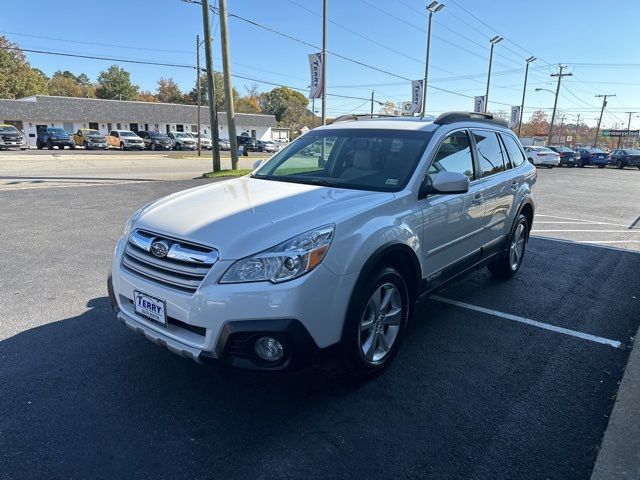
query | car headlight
[286, 261]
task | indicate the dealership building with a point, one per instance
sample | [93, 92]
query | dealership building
[31, 113]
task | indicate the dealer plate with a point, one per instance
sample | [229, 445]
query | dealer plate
[150, 308]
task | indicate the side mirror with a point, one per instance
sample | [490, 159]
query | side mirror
[444, 183]
[257, 164]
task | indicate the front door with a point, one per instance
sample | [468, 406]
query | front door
[452, 223]
[133, 127]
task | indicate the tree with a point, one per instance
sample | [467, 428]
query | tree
[247, 105]
[17, 78]
[538, 125]
[146, 96]
[287, 105]
[115, 84]
[66, 84]
[218, 84]
[169, 91]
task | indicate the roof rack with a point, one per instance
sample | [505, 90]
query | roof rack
[453, 117]
[361, 116]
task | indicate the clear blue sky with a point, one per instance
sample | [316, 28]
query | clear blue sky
[597, 40]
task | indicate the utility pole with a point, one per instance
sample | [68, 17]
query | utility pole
[604, 104]
[198, 89]
[577, 128]
[561, 125]
[211, 91]
[555, 101]
[628, 127]
[228, 86]
[324, 61]
[433, 7]
[372, 92]
[524, 91]
[494, 41]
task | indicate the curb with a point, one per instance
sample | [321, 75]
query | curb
[619, 455]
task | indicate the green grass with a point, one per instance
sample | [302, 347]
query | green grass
[227, 173]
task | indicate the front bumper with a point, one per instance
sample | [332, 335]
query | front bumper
[96, 145]
[220, 322]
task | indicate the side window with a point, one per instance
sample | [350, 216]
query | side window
[454, 155]
[513, 150]
[489, 152]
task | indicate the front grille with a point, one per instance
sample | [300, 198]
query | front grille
[183, 266]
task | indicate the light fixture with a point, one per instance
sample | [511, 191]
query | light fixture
[531, 59]
[496, 39]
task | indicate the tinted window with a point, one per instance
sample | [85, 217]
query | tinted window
[454, 155]
[513, 150]
[489, 152]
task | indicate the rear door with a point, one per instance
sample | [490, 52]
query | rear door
[452, 223]
[498, 187]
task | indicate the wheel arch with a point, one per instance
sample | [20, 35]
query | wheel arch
[527, 209]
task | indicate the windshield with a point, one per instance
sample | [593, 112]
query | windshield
[181, 135]
[57, 131]
[596, 150]
[632, 152]
[157, 135]
[8, 129]
[127, 134]
[92, 132]
[367, 159]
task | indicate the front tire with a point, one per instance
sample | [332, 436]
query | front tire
[378, 314]
[508, 266]
[122, 146]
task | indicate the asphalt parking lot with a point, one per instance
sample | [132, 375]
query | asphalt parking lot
[495, 379]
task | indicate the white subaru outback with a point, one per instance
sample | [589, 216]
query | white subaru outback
[330, 243]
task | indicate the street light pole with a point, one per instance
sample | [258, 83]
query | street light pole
[373, 91]
[198, 89]
[555, 101]
[604, 104]
[494, 41]
[524, 91]
[228, 86]
[433, 7]
[628, 127]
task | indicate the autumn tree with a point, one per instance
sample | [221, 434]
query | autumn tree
[538, 125]
[66, 84]
[287, 105]
[146, 96]
[17, 78]
[115, 84]
[169, 91]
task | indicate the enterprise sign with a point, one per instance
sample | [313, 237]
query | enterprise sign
[621, 133]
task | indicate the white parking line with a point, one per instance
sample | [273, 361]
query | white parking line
[538, 222]
[586, 242]
[580, 220]
[607, 241]
[533, 323]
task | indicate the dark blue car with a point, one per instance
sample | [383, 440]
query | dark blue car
[625, 158]
[593, 156]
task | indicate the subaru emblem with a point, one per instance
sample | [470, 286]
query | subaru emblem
[160, 248]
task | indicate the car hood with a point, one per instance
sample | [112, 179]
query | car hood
[246, 215]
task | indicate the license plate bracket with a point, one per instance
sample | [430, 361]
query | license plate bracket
[151, 308]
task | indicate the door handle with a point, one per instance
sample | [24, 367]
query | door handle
[478, 199]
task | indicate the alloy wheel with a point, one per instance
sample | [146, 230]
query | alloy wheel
[380, 322]
[516, 249]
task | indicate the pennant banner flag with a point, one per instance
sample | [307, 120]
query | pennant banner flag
[315, 68]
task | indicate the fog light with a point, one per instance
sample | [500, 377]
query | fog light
[268, 349]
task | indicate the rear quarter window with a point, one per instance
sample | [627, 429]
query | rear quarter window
[513, 150]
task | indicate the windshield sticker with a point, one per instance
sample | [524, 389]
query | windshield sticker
[391, 181]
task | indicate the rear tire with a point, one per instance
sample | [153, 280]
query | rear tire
[601, 166]
[508, 266]
[50, 145]
[378, 314]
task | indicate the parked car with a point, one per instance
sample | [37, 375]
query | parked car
[205, 142]
[267, 146]
[224, 144]
[155, 140]
[250, 142]
[625, 158]
[568, 156]
[90, 139]
[182, 141]
[310, 256]
[593, 156]
[125, 140]
[54, 137]
[11, 137]
[542, 156]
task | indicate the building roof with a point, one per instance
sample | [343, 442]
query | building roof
[72, 109]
